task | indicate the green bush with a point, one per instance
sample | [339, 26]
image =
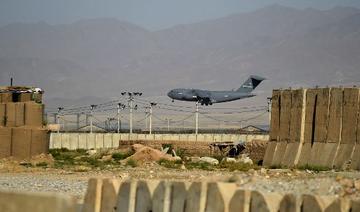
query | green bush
[131, 163]
[170, 164]
[42, 164]
[121, 156]
[181, 153]
[200, 165]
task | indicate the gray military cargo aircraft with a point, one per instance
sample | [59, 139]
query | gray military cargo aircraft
[205, 97]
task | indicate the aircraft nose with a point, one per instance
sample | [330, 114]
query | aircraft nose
[170, 93]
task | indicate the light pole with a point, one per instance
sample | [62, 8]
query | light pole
[152, 104]
[131, 107]
[197, 118]
[92, 107]
[168, 124]
[57, 118]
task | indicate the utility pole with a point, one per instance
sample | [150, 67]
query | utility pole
[92, 107]
[197, 118]
[119, 107]
[57, 118]
[131, 107]
[131, 101]
[87, 119]
[78, 121]
[146, 119]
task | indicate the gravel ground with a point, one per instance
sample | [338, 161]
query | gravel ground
[282, 181]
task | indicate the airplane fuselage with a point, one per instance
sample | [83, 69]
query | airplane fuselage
[208, 97]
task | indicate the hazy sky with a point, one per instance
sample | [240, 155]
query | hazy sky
[152, 14]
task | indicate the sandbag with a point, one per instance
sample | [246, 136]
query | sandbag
[21, 143]
[5, 142]
[34, 114]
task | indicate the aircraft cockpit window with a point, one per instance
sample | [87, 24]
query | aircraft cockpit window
[180, 93]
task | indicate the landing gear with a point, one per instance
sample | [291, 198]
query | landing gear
[172, 100]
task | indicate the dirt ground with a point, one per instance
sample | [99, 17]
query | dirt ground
[344, 184]
[68, 172]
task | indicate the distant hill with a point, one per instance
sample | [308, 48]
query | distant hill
[102, 57]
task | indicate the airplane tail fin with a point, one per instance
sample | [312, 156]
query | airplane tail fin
[250, 84]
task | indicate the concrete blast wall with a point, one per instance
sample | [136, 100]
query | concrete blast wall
[107, 195]
[111, 140]
[323, 126]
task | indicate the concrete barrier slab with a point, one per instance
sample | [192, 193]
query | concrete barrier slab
[219, 196]
[343, 155]
[116, 140]
[285, 116]
[279, 153]
[196, 197]
[65, 140]
[355, 205]
[269, 153]
[143, 200]
[99, 140]
[335, 116]
[322, 154]
[305, 154]
[56, 140]
[161, 197]
[291, 152]
[125, 194]
[83, 141]
[269, 202]
[90, 141]
[109, 195]
[322, 115]
[240, 201]
[290, 203]
[92, 200]
[178, 197]
[39, 202]
[275, 116]
[74, 141]
[355, 159]
[317, 203]
[108, 140]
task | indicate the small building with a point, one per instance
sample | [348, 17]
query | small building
[252, 129]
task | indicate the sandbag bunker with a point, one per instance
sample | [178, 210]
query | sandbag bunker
[315, 127]
[22, 131]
